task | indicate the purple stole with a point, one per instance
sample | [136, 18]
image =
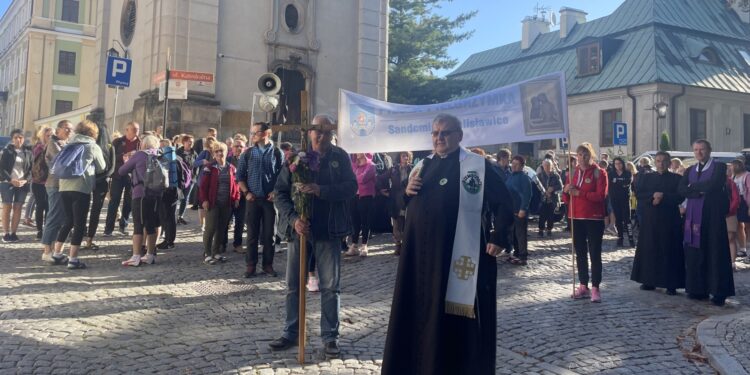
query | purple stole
[694, 212]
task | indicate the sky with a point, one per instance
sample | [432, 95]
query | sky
[498, 22]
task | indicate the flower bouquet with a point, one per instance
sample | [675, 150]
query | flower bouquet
[303, 167]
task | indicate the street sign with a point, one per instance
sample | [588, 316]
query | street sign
[620, 137]
[177, 89]
[191, 76]
[118, 71]
[563, 143]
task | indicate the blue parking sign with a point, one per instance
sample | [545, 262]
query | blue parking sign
[118, 71]
[620, 134]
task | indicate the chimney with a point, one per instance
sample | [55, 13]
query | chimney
[569, 17]
[742, 9]
[532, 27]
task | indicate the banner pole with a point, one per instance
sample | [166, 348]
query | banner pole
[302, 297]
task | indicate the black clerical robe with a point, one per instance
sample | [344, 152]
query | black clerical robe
[659, 258]
[422, 338]
[709, 267]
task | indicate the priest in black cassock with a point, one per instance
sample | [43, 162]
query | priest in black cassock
[707, 259]
[443, 316]
[659, 258]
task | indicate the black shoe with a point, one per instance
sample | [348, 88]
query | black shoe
[124, 232]
[620, 242]
[718, 301]
[268, 270]
[697, 296]
[164, 245]
[194, 208]
[631, 241]
[6, 237]
[549, 232]
[671, 292]
[181, 221]
[39, 235]
[332, 349]
[250, 272]
[107, 234]
[277, 240]
[77, 265]
[13, 237]
[647, 287]
[60, 260]
[282, 343]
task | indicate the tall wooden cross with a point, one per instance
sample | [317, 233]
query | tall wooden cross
[303, 128]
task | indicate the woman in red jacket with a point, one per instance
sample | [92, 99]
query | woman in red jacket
[219, 193]
[587, 192]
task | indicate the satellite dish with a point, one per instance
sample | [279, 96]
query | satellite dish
[268, 103]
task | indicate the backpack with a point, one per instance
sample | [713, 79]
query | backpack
[184, 174]
[156, 179]
[68, 163]
[39, 168]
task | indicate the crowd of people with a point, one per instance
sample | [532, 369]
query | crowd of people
[692, 221]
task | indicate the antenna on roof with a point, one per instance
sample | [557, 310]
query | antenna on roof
[542, 12]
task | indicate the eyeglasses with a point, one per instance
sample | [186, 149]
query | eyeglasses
[219, 152]
[443, 133]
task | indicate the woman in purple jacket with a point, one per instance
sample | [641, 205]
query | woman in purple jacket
[364, 169]
[145, 207]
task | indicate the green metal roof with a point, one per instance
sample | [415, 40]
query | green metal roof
[660, 41]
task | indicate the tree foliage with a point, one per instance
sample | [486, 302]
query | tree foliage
[418, 45]
[664, 144]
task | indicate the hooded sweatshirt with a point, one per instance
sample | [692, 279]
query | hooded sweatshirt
[92, 156]
[366, 176]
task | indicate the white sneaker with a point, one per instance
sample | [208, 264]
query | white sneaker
[149, 259]
[134, 261]
[363, 250]
[312, 284]
[47, 258]
[353, 250]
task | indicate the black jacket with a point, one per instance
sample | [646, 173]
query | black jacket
[337, 193]
[8, 159]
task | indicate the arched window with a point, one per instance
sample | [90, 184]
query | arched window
[291, 17]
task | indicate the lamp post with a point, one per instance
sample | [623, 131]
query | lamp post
[661, 112]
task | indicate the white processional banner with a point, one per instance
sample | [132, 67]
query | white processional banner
[528, 111]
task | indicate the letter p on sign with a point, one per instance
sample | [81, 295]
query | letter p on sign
[620, 134]
[118, 71]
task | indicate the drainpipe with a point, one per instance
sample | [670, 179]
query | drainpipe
[673, 117]
[634, 120]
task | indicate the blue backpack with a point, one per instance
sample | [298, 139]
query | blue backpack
[68, 163]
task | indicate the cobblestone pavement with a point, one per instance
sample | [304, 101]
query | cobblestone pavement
[183, 317]
[724, 339]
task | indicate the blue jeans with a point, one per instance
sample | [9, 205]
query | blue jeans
[328, 259]
[55, 216]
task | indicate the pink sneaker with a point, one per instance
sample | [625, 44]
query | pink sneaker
[596, 297]
[581, 292]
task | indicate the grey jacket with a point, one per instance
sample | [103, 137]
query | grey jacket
[93, 157]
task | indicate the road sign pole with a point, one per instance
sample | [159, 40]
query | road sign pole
[166, 98]
[114, 116]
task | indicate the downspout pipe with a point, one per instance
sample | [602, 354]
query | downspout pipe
[634, 120]
[673, 117]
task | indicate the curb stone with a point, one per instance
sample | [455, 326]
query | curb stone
[711, 344]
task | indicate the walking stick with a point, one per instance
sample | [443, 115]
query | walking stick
[571, 172]
[302, 295]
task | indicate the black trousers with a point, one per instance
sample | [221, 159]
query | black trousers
[97, 201]
[546, 216]
[260, 219]
[146, 215]
[40, 194]
[621, 210]
[587, 240]
[76, 208]
[361, 219]
[217, 218]
[521, 237]
[119, 190]
[167, 214]
[238, 214]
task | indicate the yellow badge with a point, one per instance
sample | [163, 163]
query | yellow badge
[443, 181]
[588, 180]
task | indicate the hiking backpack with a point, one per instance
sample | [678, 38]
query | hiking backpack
[68, 163]
[156, 179]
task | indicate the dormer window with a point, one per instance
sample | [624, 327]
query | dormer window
[709, 56]
[589, 59]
